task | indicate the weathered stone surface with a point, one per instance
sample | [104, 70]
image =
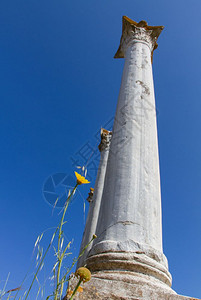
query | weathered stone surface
[130, 262]
[125, 287]
[131, 200]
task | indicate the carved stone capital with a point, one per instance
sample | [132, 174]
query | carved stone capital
[105, 139]
[90, 195]
[141, 32]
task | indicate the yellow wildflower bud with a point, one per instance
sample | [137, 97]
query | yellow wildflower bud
[83, 273]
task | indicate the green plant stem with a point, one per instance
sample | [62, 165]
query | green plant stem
[60, 257]
[38, 269]
[62, 286]
[76, 288]
[74, 262]
[8, 296]
[3, 292]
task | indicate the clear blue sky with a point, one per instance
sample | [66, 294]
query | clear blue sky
[59, 84]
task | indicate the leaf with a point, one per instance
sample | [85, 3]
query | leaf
[55, 266]
[62, 241]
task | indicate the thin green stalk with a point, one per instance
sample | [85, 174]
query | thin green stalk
[62, 219]
[38, 292]
[21, 284]
[38, 269]
[60, 257]
[76, 288]
[75, 260]
[3, 292]
[8, 296]
[62, 286]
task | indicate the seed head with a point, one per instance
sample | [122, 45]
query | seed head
[83, 273]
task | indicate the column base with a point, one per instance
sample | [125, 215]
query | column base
[107, 285]
[133, 263]
[129, 256]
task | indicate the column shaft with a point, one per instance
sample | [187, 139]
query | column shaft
[94, 205]
[131, 209]
[129, 225]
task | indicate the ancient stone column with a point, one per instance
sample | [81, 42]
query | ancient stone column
[127, 260]
[129, 227]
[95, 197]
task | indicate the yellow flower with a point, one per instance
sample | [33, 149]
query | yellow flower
[84, 274]
[81, 179]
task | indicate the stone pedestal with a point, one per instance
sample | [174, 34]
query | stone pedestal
[117, 286]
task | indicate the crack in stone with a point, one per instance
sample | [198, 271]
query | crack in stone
[126, 223]
[120, 222]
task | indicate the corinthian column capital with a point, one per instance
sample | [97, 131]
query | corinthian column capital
[105, 139]
[90, 195]
[137, 32]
